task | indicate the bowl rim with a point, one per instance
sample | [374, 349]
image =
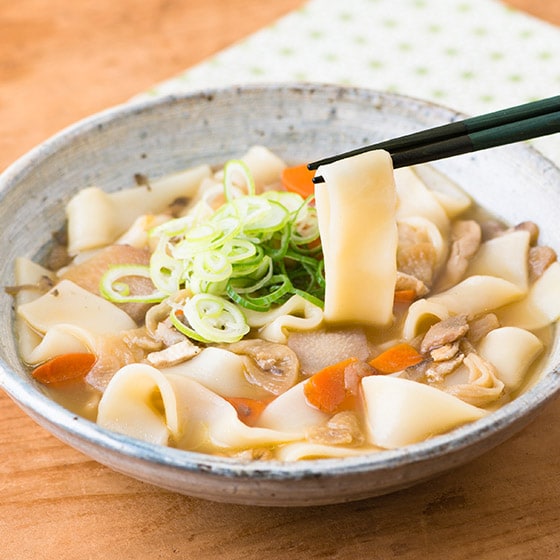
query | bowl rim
[30, 398]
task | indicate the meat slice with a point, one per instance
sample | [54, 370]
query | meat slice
[444, 332]
[481, 326]
[466, 236]
[540, 258]
[408, 282]
[416, 254]
[342, 429]
[532, 228]
[174, 354]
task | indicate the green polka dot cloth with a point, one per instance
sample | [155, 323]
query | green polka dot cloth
[472, 55]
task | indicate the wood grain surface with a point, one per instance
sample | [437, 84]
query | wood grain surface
[62, 60]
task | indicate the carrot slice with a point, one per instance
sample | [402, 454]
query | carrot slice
[298, 179]
[64, 367]
[248, 410]
[396, 358]
[327, 390]
[404, 296]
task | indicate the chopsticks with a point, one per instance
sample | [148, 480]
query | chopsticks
[514, 124]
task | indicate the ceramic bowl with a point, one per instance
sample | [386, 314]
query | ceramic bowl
[300, 123]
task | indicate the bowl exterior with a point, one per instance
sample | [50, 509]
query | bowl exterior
[300, 123]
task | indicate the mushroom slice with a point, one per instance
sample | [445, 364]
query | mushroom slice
[272, 366]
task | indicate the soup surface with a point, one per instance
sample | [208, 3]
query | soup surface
[237, 311]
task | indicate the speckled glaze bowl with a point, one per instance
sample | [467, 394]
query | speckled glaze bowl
[300, 123]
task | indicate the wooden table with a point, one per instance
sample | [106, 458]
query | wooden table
[60, 61]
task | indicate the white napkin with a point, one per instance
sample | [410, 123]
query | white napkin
[475, 56]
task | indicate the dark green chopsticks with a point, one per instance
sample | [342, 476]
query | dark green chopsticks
[499, 128]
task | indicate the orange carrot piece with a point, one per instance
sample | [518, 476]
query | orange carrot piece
[327, 390]
[64, 367]
[298, 179]
[404, 296]
[396, 358]
[248, 410]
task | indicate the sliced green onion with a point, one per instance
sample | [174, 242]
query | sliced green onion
[278, 244]
[310, 298]
[248, 286]
[112, 288]
[212, 266]
[210, 318]
[239, 250]
[261, 216]
[165, 271]
[252, 267]
[305, 230]
[254, 251]
[292, 201]
[279, 285]
[177, 226]
[237, 168]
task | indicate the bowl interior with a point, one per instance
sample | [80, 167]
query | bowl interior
[300, 123]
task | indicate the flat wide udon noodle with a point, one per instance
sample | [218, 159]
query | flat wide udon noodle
[28, 273]
[59, 340]
[401, 412]
[451, 197]
[142, 402]
[540, 308]
[415, 199]
[96, 218]
[472, 296]
[209, 421]
[303, 450]
[292, 413]
[356, 208]
[511, 350]
[220, 371]
[69, 304]
[296, 314]
[505, 256]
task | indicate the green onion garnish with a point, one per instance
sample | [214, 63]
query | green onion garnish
[210, 318]
[253, 252]
[114, 289]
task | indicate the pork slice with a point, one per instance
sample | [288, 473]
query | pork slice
[444, 332]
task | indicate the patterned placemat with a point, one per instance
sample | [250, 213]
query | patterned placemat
[472, 55]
